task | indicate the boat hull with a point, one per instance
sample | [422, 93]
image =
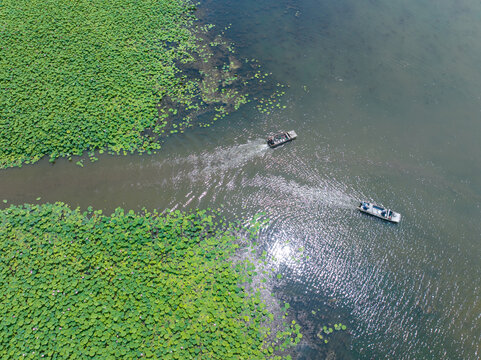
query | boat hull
[379, 212]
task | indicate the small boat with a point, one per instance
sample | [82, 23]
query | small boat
[379, 211]
[281, 138]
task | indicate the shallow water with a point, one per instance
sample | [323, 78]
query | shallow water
[386, 99]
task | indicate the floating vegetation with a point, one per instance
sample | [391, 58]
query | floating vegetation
[114, 75]
[86, 285]
[272, 102]
[328, 330]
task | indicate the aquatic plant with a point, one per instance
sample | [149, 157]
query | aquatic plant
[266, 105]
[328, 330]
[111, 75]
[86, 285]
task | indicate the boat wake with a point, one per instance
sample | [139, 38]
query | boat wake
[290, 192]
[266, 177]
[222, 159]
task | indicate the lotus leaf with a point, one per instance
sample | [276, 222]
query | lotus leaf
[95, 75]
[87, 285]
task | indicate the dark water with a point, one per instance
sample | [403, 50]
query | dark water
[386, 99]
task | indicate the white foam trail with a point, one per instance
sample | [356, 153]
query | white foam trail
[188, 201]
[307, 195]
[222, 159]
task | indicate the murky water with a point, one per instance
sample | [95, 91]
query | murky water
[386, 99]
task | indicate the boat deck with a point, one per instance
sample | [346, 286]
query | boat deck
[281, 138]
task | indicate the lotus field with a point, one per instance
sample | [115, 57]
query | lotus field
[89, 286]
[99, 75]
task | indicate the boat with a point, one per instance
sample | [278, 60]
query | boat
[281, 138]
[379, 211]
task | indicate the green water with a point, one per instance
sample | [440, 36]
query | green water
[386, 99]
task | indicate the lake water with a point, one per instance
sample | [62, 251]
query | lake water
[386, 99]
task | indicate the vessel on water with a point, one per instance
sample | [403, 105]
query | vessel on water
[379, 211]
[281, 138]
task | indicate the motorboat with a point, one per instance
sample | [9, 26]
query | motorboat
[281, 138]
[379, 211]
